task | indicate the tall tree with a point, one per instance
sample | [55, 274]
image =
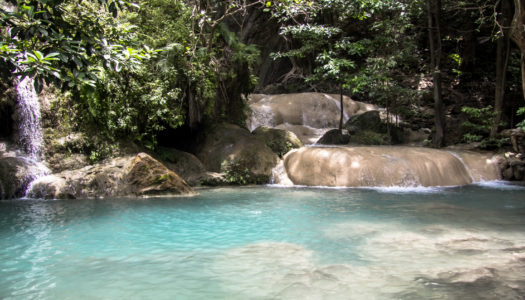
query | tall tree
[518, 35]
[503, 17]
[434, 36]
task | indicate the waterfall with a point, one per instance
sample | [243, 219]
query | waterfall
[308, 115]
[29, 130]
[28, 111]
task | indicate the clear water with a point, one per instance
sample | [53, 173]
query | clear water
[269, 243]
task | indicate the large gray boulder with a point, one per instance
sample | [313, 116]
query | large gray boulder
[235, 151]
[135, 175]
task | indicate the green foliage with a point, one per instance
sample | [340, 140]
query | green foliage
[59, 41]
[521, 111]
[280, 147]
[368, 46]
[478, 125]
[237, 175]
[368, 137]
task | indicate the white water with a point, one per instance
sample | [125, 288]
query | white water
[308, 115]
[28, 111]
[29, 129]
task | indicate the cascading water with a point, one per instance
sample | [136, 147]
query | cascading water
[308, 115]
[29, 130]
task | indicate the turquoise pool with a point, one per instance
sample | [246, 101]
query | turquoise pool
[269, 243]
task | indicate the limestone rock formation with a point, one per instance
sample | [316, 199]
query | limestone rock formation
[279, 140]
[302, 111]
[235, 151]
[386, 166]
[147, 176]
[512, 166]
[138, 175]
[185, 164]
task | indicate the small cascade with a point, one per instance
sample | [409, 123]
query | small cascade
[29, 132]
[29, 129]
[279, 176]
[383, 166]
[308, 115]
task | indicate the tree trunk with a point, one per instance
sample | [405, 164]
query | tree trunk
[518, 34]
[434, 36]
[342, 108]
[502, 61]
[523, 74]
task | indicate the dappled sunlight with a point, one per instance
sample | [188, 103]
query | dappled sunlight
[387, 166]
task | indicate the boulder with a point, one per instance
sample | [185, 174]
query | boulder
[370, 128]
[279, 140]
[517, 138]
[370, 120]
[301, 111]
[334, 137]
[61, 161]
[185, 164]
[16, 173]
[235, 151]
[512, 166]
[386, 166]
[147, 176]
[137, 175]
[308, 135]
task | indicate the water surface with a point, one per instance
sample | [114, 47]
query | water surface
[270, 243]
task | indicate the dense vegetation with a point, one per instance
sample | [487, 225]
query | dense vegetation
[139, 69]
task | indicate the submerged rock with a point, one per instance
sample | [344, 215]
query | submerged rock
[386, 166]
[235, 151]
[137, 175]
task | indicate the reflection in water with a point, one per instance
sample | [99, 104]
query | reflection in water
[269, 243]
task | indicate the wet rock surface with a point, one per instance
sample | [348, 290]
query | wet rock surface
[16, 173]
[386, 166]
[308, 115]
[138, 175]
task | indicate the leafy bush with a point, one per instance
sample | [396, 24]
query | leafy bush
[479, 123]
[367, 137]
[236, 174]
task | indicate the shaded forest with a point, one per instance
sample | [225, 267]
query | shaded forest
[160, 72]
